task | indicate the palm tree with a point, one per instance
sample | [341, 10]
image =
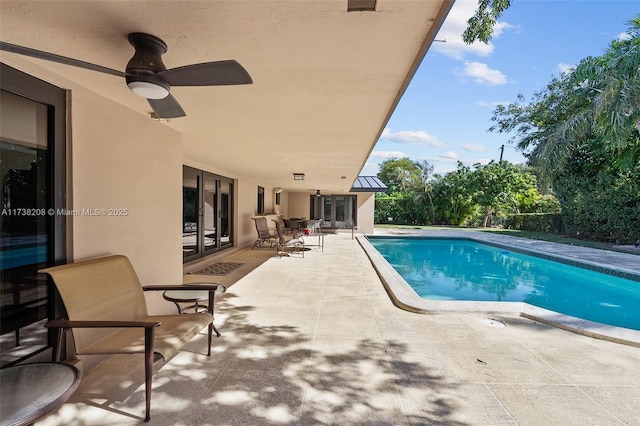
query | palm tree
[611, 82]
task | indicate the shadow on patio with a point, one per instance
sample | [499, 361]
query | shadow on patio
[317, 341]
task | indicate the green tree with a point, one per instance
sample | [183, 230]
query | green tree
[409, 197]
[495, 188]
[452, 199]
[581, 130]
[480, 25]
[595, 107]
[612, 83]
[398, 173]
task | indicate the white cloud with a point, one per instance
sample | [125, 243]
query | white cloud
[500, 27]
[624, 36]
[493, 104]
[387, 154]
[410, 137]
[454, 26]
[482, 74]
[449, 155]
[370, 169]
[474, 147]
[372, 166]
[565, 68]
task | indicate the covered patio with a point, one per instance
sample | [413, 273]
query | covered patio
[317, 340]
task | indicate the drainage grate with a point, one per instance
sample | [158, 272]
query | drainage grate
[490, 322]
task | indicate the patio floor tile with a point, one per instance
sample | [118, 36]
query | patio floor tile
[317, 341]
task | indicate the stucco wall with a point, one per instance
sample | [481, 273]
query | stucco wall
[298, 204]
[366, 205]
[124, 160]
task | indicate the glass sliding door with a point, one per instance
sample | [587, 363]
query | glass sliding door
[327, 215]
[210, 212]
[226, 213]
[338, 211]
[207, 213]
[32, 234]
[191, 188]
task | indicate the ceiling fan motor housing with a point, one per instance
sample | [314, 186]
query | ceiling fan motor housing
[146, 62]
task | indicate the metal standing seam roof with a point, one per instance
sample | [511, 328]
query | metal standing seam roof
[368, 184]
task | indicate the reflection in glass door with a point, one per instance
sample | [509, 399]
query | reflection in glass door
[207, 213]
[226, 191]
[190, 213]
[209, 216]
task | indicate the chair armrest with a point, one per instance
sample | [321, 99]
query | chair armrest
[60, 326]
[63, 323]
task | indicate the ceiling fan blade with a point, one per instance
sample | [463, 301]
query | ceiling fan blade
[219, 73]
[39, 54]
[167, 107]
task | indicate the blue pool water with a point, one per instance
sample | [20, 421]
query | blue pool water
[457, 269]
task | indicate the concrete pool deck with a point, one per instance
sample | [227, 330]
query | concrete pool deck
[317, 341]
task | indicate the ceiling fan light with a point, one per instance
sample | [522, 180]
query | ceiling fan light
[148, 90]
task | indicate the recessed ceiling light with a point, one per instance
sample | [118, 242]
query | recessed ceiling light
[361, 5]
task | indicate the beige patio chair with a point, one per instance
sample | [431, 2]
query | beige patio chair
[294, 245]
[107, 314]
[265, 234]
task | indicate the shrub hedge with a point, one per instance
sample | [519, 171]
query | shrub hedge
[541, 222]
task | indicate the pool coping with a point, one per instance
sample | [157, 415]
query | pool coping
[406, 298]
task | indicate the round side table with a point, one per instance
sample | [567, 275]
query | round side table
[194, 298]
[29, 391]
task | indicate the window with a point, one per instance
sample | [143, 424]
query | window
[260, 200]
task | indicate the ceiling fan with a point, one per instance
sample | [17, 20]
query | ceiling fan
[148, 77]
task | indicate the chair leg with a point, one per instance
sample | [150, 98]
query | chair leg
[148, 368]
[210, 308]
[210, 338]
[57, 345]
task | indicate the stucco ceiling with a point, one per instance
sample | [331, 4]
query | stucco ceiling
[325, 80]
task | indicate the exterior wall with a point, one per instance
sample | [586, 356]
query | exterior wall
[136, 182]
[114, 167]
[247, 208]
[366, 206]
[282, 208]
[298, 205]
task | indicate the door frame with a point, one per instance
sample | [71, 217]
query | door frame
[202, 250]
[58, 230]
[318, 204]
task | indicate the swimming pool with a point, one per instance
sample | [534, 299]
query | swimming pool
[465, 270]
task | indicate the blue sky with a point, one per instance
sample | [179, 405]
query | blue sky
[445, 114]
